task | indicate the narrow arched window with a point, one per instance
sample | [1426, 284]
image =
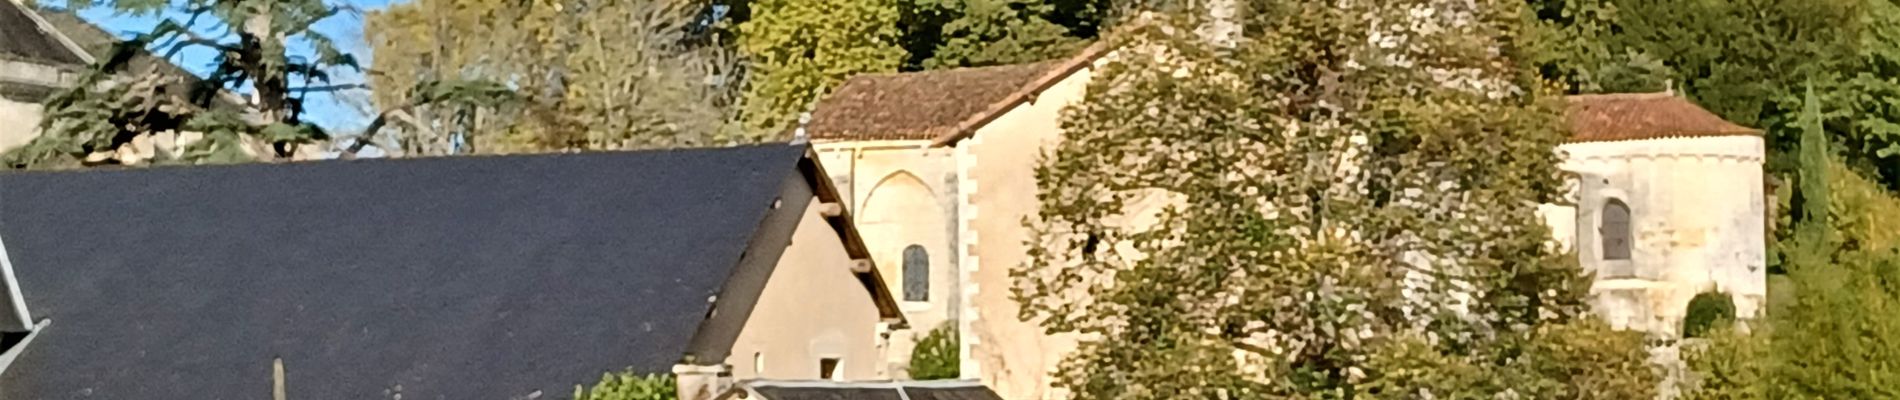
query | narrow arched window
[1615, 230]
[916, 274]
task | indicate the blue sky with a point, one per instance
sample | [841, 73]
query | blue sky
[330, 111]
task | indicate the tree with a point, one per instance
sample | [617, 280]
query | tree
[936, 355]
[1707, 312]
[1351, 193]
[110, 106]
[800, 49]
[594, 74]
[631, 386]
[974, 33]
[1748, 61]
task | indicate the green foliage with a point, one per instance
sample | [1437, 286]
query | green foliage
[1748, 61]
[1813, 227]
[936, 355]
[112, 105]
[1707, 311]
[800, 49]
[1728, 366]
[1343, 215]
[631, 386]
[1579, 52]
[992, 32]
[1583, 359]
[593, 75]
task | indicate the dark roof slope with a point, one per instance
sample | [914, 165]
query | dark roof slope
[904, 390]
[1636, 116]
[915, 105]
[451, 278]
[22, 38]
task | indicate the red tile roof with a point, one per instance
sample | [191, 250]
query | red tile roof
[1637, 116]
[915, 105]
[943, 106]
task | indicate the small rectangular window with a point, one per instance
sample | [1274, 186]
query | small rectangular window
[831, 369]
[758, 363]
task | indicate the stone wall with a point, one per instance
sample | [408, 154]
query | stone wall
[1697, 222]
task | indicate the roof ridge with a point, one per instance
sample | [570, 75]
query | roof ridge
[1622, 96]
[980, 68]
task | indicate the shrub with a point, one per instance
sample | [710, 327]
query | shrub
[628, 385]
[1707, 311]
[936, 355]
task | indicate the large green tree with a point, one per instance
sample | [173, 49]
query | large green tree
[1349, 209]
[971, 33]
[799, 50]
[593, 74]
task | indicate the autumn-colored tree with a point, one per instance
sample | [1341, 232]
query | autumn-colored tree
[593, 75]
[800, 49]
[1350, 196]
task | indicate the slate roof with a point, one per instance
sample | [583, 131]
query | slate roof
[938, 105]
[1637, 116]
[21, 38]
[903, 390]
[451, 278]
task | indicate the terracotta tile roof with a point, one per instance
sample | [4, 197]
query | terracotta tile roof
[915, 105]
[1637, 116]
[941, 106]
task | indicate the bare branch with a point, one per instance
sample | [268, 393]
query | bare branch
[330, 88]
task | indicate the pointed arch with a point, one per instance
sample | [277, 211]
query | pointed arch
[899, 183]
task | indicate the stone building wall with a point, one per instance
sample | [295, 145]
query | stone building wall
[903, 194]
[1696, 219]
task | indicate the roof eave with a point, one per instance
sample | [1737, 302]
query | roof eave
[1734, 133]
[827, 192]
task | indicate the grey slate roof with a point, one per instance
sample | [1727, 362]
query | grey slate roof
[450, 278]
[21, 38]
[902, 390]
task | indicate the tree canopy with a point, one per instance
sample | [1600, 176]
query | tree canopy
[799, 50]
[1348, 200]
[592, 74]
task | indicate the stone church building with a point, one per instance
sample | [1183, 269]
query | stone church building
[1667, 202]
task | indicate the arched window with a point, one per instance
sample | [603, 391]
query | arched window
[916, 274]
[1615, 230]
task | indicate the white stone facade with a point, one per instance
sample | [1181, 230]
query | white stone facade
[1697, 224]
